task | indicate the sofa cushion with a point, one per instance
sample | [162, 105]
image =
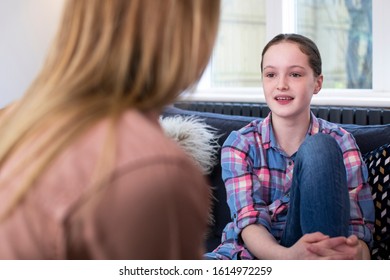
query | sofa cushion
[378, 164]
[369, 137]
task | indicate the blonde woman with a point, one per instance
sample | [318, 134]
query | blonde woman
[86, 172]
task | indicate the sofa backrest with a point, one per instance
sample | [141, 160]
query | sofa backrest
[335, 114]
[368, 137]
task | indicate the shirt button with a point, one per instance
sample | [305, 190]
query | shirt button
[289, 162]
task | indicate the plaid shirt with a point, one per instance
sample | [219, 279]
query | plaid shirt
[258, 176]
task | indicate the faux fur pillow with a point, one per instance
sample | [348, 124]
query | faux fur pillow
[195, 137]
[198, 140]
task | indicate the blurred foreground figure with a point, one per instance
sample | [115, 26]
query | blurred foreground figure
[86, 171]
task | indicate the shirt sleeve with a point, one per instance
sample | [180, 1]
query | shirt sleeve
[243, 187]
[362, 207]
[157, 210]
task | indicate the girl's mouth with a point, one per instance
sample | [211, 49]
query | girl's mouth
[283, 99]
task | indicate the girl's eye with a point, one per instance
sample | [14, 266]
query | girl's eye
[296, 75]
[269, 75]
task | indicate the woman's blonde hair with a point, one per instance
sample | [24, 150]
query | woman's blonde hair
[108, 56]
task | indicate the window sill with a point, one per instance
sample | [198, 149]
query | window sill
[330, 97]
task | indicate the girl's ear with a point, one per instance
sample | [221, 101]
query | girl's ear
[318, 83]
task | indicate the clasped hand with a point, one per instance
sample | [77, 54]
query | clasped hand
[318, 246]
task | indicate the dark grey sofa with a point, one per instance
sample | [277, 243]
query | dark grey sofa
[373, 141]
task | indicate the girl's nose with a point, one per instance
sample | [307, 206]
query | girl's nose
[282, 85]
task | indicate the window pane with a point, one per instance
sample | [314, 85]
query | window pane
[236, 58]
[342, 30]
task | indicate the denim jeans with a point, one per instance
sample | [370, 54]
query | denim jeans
[319, 199]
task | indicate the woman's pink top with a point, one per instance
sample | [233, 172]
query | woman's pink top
[155, 205]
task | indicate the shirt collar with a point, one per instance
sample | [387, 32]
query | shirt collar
[265, 128]
[268, 135]
[314, 127]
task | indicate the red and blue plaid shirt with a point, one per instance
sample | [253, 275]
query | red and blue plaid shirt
[258, 176]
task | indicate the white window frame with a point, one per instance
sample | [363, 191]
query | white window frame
[378, 96]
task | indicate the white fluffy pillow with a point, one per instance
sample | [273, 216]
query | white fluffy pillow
[195, 137]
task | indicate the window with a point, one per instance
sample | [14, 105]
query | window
[352, 42]
[241, 35]
[342, 30]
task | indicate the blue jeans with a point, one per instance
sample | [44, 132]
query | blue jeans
[319, 199]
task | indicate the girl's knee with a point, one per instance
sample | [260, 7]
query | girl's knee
[318, 149]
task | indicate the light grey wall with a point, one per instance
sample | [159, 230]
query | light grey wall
[26, 30]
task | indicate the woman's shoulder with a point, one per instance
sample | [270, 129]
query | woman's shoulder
[142, 134]
[135, 143]
[136, 137]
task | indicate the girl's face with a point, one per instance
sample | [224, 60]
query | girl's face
[288, 81]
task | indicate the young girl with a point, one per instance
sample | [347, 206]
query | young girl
[296, 184]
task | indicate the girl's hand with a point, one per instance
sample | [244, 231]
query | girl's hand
[301, 249]
[350, 249]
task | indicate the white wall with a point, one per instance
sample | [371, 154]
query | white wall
[26, 30]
